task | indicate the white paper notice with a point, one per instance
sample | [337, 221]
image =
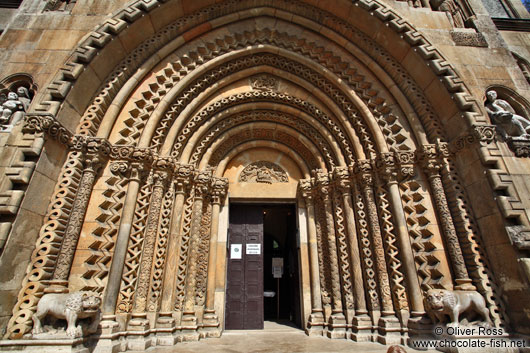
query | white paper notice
[236, 251]
[253, 249]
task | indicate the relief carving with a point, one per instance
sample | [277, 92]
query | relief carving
[263, 172]
[264, 83]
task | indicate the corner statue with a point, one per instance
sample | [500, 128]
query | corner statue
[502, 114]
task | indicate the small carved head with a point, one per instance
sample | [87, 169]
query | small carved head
[12, 96]
[491, 96]
[91, 301]
[435, 299]
[23, 92]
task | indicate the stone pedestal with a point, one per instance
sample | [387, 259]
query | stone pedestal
[138, 333]
[210, 324]
[316, 324]
[337, 326]
[165, 330]
[389, 329]
[189, 327]
[362, 329]
[108, 341]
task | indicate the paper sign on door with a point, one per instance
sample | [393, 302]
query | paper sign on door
[253, 249]
[236, 251]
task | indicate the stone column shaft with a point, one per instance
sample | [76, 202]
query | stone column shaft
[212, 256]
[120, 248]
[75, 222]
[169, 282]
[316, 302]
[360, 300]
[411, 275]
[334, 265]
[377, 241]
[455, 252]
[151, 231]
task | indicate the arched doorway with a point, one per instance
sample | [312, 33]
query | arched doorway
[265, 105]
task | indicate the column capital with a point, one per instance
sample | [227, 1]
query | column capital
[342, 178]
[219, 189]
[201, 183]
[430, 159]
[364, 172]
[386, 166]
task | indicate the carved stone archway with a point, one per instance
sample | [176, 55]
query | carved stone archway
[146, 179]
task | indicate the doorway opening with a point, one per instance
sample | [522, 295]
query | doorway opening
[281, 282]
[263, 280]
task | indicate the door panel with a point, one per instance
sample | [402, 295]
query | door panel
[244, 298]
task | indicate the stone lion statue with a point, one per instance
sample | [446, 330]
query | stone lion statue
[441, 302]
[69, 306]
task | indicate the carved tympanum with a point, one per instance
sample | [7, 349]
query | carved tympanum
[69, 307]
[441, 302]
[263, 172]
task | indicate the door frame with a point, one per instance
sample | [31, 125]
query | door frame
[303, 254]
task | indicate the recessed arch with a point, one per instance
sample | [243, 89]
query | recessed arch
[362, 115]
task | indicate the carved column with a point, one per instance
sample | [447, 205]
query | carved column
[144, 273]
[337, 322]
[183, 174]
[219, 189]
[189, 320]
[120, 248]
[361, 321]
[432, 165]
[59, 282]
[364, 171]
[390, 175]
[316, 320]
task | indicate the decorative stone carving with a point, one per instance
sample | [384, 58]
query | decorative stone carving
[12, 110]
[68, 306]
[263, 172]
[453, 12]
[264, 83]
[502, 114]
[441, 302]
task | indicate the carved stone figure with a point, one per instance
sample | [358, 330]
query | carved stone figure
[68, 306]
[12, 110]
[502, 114]
[23, 97]
[452, 11]
[263, 172]
[441, 302]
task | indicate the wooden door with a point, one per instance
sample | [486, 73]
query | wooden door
[244, 289]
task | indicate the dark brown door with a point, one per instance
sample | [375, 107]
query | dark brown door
[244, 289]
